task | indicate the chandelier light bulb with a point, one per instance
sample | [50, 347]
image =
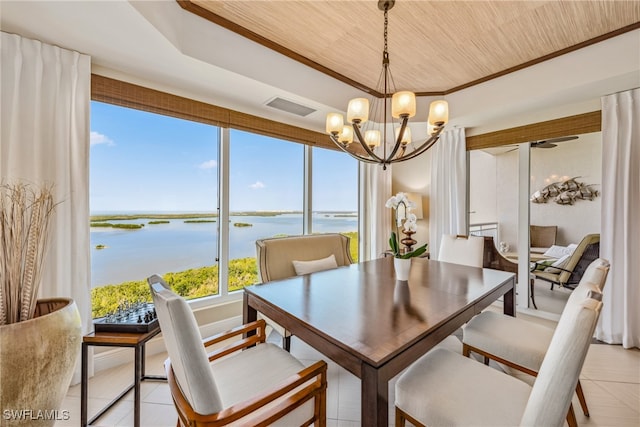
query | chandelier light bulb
[372, 138]
[403, 104]
[346, 136]
[335, 123]
[438, 113]
[358, 110]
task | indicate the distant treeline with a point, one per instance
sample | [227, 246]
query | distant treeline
[125, 226]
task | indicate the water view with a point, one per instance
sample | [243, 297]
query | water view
[178, 244]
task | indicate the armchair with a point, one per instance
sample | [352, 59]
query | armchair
[276, 257]
[569, 276]
[245, 382]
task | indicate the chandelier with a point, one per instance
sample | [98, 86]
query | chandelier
[376, 125]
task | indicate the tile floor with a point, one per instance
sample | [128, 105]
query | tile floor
[610, 378]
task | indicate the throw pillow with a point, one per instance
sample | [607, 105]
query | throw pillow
[560, 263]
[306, 267]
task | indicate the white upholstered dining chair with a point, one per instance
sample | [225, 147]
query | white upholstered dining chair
[283, 257]
[229, 379]
[465, 250]
[520, 344]
[444, 388]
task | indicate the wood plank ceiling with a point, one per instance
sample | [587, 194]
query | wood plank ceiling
[435, 47]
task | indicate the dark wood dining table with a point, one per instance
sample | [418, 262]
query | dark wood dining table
[360, 317]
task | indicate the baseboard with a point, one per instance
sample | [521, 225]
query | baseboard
[119, 356]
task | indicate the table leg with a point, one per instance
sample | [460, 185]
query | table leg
[509, 306]
[84, 383]
[375, 398]
[139, 351]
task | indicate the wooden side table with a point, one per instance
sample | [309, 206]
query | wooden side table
[116, 339]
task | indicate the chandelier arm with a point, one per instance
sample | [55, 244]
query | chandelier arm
[354, 155]
[398, 142]
[424, 147]
[356, 130]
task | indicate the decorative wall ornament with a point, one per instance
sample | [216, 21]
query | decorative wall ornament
[565, 192]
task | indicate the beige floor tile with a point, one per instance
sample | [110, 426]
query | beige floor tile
[626, 393]
[152, 415]
[612, 363]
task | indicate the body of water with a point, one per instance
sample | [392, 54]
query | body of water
[177, 246]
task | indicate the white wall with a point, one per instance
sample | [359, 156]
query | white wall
[580, 158]
[482, 187]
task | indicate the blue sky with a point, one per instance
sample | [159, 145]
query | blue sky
[147, 162]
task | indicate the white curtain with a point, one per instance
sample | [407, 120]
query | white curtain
[375, 218]
[620, 231]
[447, 204]
[45, 93]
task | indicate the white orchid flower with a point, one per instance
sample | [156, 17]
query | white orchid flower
[410, 224]
[392, 202]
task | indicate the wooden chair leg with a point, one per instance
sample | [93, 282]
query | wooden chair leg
[532, 294]
[486, 360]
[583, 401]
[286, 343]
[466, 352]
[400, 419]
[571, 417]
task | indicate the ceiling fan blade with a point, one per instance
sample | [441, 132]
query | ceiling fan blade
[544, 144]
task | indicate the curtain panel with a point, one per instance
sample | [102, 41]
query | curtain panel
[620, 230]
[448, 199]
[45, 93]
[375, 218]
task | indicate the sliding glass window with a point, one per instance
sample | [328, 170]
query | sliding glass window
[335, 195]
[153, 203]
[266, 188]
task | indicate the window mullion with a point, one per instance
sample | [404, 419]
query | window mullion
[307, 207]
[223, 212]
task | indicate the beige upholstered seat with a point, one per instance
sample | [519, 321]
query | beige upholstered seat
[521, 344]
[465, 250]
[276, 258]
[446, 389]
[247, 382]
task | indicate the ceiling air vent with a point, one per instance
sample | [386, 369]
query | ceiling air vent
[290, 107]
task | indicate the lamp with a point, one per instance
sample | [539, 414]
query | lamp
[363, 118]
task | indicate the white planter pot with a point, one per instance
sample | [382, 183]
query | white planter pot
[402, 268]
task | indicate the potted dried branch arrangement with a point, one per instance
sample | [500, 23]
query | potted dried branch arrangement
[39, 339]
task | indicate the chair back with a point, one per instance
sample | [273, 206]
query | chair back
[276, 255]
[597, 273]
[465, 250]
[187, 354]
[587, 251]
[558, 376]
[542, 236]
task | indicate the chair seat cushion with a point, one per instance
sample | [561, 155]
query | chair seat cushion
[255, 370]
[447, 389]
[516, 340]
